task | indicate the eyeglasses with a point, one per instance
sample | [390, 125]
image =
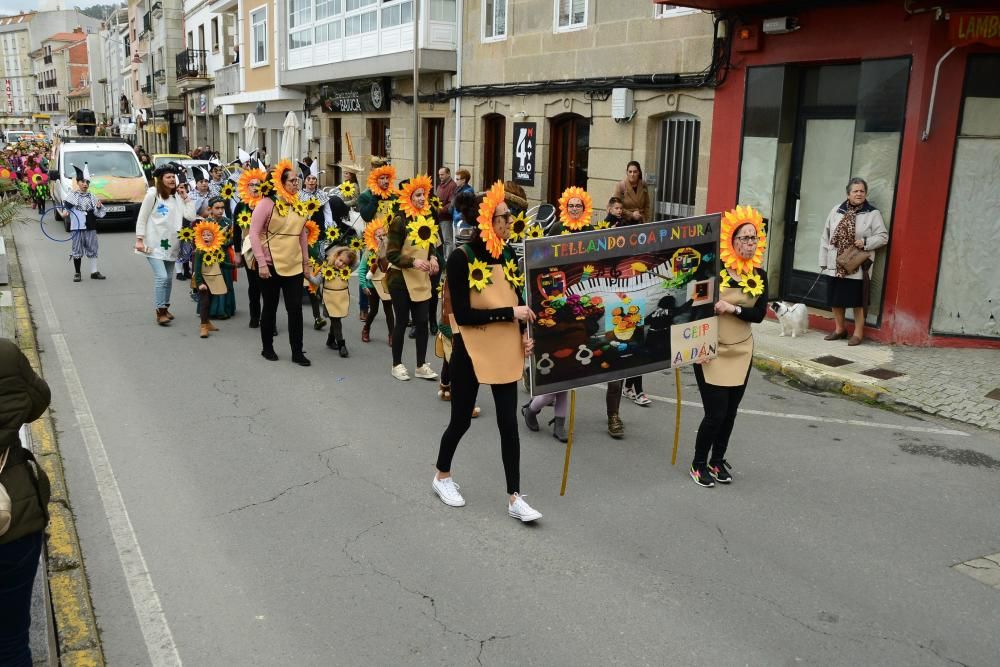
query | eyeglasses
[574, 206]
[505, 216]
[746, 239]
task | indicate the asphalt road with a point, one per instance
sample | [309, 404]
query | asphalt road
[258, 513]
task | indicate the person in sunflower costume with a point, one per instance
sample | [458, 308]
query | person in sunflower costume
[335, 272]
[486, 296]
[381, 188]
[249, 188]
[222, 304]
[371, 274]
[723, 381]
[413, 250]
[210, 267]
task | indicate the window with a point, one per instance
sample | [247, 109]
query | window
[201, 37]
[378, 130]
[494, 20]
[571, 15]
[258, 36]
[327, 8]
[122, 164]
[328, 32]
[680, 138]
[299, 13]
[667, 11]
[397, 15]
[360, 23]
[215, 35]
[353, 5]
[443, 10]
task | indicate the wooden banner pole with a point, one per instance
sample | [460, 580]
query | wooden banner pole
[677, 420]
[569, 440]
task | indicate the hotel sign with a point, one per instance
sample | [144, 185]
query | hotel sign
[974, 28]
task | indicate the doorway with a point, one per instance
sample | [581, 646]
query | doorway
[434, 133]
[568, 153]
[494, 141]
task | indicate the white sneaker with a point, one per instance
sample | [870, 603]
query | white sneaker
[629, 393]
[641, 399]
[519, 509]
[425, 372]
[400, 373]
[447, 491]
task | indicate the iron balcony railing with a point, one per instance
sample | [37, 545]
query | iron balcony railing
[191, 64]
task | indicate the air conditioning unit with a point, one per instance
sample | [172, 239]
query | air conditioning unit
[622, 104]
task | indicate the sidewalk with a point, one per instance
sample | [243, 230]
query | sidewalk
[959, 384]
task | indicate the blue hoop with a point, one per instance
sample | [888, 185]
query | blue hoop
[41, 223]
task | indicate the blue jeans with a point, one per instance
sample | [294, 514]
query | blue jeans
[18, 565]
[162, 272]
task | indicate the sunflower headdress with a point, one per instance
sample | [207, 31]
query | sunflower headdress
[386, 170]
[731, 221]
[251, 196]
[371, 233]
[216, 238]
[492, 199]
[518, 226]
[418, 182]
[423, 232]
[582, 220]
[279, 187]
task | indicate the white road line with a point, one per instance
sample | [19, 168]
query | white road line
[145, 601]
[814, 418]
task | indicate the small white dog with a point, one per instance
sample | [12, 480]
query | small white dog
[792, 316]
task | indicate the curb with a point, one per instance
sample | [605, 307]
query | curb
[77, 637]
[823, 381]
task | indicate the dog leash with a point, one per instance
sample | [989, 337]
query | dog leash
[806, 295]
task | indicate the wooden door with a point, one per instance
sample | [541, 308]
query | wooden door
[569, 146]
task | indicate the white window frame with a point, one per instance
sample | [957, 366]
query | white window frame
[486, 39]
[254, 23]
[671, 11]
[572, 27]
[215, 34]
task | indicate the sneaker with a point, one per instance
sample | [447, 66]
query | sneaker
[720, 471]
[629, 393]
[701, 476]
[319, 323]
[447, 491]
[640, 398]
[97, 275]
[519, 509]
[76, 277]
[400, 373]
[425, 372]
[616, 429]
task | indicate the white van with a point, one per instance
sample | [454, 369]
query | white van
[14, 136]
[116, 176]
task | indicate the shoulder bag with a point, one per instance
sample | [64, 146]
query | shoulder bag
[852, 259]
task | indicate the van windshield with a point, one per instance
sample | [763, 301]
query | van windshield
[122, 164]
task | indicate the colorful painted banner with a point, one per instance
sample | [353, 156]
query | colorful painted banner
[620, 302]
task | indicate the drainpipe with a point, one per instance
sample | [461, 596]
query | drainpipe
[460, 30]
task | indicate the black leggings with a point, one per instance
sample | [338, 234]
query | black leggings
[336, 329]
[271, 289]
[405, 309]
[204, 303]
[721, 404]
[373, 303]
[314, 301]
[634, 383]
[464, 389]
[253, 292]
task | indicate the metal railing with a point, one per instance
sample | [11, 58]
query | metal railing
[227, 80]
[191, 63]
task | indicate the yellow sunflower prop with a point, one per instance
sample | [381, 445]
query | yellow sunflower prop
[387, 170]
[227, 190]
[310, 206]
[752, 285]
[423, 232]
[518, 226]
[512, 274]
[243, 219]
[348, 190]
[418, 182]
[732, 221]
[724, 279]
[281, 208]
[492, 199]
[355, 244]
[279, 170]
[344, 274]
[215, 237]
[603, 224]
[332, 233]
[314, 266]
[249, 193]
[384, 209]
[580, 221]
[312, 230]
[186, 234]
[434, 201]
[214, 257]
[534, 232]
[329, 273]
[479, 275]
[266, 188]
[300, 208]
[371, 233]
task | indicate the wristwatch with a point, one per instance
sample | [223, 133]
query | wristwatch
[739, 311]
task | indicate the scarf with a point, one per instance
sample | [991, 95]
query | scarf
[844, 235]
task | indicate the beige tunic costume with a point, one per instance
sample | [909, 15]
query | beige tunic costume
[496, 349]
[418, 283]
[336, 297]
[729, 368]
[212, 275]
[282, 240]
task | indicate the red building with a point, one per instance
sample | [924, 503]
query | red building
[903, 93]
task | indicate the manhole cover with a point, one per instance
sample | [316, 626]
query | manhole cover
[995, 394]
[882, 373]
[830, 360]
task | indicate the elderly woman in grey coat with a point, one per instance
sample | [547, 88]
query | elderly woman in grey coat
[856, 223]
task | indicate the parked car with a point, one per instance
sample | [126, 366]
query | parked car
[116, 176]
[160, 159]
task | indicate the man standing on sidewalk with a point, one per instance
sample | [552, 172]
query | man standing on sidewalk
[445, 191]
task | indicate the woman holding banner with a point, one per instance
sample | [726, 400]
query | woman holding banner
[722, 381]
[488, 346]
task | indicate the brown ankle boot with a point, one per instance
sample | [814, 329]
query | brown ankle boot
[211, 327]
[204, 331]
[170, 316]
[161, 317]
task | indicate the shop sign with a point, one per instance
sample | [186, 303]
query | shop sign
[974, 28]
[362, 96]
[524, 153]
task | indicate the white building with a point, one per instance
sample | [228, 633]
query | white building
[210, 45]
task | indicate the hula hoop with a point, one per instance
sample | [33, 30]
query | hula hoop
[41, 223]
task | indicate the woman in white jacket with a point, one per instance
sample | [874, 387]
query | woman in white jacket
[160, 218]
[856, 223]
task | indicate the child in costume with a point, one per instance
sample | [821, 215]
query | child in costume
[371, 274]
[83, 209]
[214, 265]
[336, 275]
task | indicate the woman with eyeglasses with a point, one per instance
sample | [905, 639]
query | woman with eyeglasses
[723, 381]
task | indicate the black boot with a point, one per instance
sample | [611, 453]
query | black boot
[331, 342]
[343, 349]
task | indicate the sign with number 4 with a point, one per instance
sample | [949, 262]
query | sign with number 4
[524, 153]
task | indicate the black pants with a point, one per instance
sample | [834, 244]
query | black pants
[204, 303]
[271, 289]
[464, 390]
[613, 397]
[253, 292]
[405, 309]
[336, 330]
[18, 566]
[634, 383]
[721, 404]
[373, 303]
[432, 308]
[314, 301]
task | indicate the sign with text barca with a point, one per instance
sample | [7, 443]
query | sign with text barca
[614, 303]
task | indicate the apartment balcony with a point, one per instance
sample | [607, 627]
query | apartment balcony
[191, 64]
[47, 59]
[146, 88]
[157, 9]
[147, 27]
[227, 80]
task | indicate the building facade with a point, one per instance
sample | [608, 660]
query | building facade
[60, 68]
[911, 103]
[157, 29]
[210, 46]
